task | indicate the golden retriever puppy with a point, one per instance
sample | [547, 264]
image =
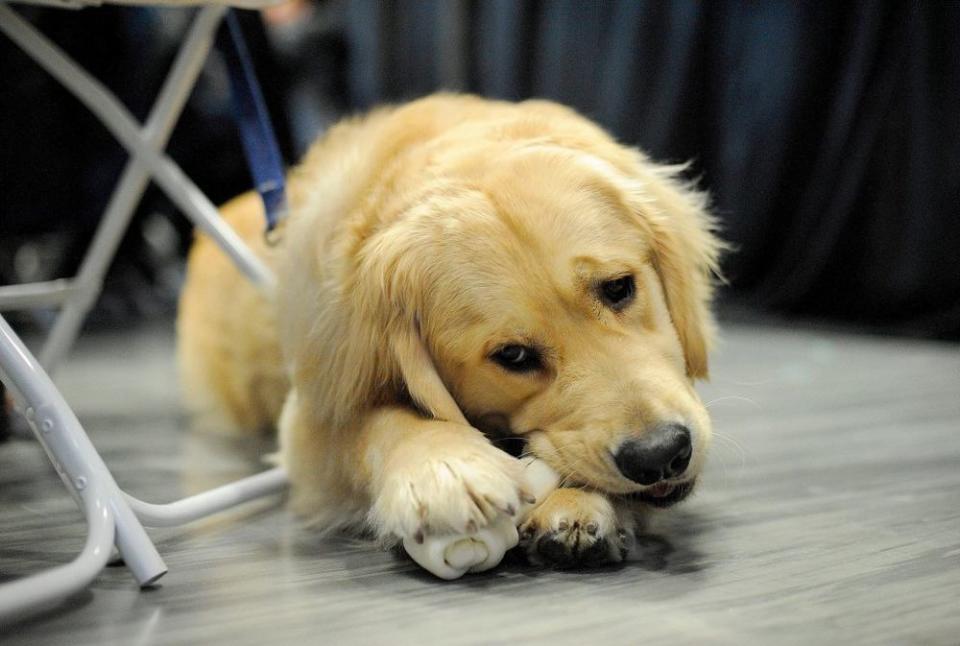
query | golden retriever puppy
[457, 269]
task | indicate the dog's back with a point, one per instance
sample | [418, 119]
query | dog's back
[231, 372]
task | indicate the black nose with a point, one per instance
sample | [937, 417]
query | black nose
[662, 453]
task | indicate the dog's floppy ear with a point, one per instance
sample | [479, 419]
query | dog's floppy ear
[420, 376]
[364, 347]
[686, 254]
[399, 279]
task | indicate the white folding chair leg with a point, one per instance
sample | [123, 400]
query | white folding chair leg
[74, 457]
[39, 591]
[163, 117]
[113, 516]
[118, 120]
[209, 502]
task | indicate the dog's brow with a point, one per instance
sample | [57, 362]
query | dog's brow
[590, 270]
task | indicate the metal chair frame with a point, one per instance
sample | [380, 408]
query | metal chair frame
[114, 518]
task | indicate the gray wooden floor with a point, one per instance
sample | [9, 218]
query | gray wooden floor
[830, 515]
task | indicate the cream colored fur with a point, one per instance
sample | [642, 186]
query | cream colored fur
[422, 238]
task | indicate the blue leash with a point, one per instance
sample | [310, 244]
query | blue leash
[256, 132]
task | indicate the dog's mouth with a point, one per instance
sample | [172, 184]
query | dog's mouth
[663, 494]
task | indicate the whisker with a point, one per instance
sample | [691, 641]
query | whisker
[730, 440]
[732, 397]
[739, 450]
[761, 382]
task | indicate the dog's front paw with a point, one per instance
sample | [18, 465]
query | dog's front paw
[576, 528]
[446, 483]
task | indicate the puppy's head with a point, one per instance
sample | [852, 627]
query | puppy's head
[559, 295]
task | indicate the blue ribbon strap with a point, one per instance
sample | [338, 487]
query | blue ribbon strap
[256, 132]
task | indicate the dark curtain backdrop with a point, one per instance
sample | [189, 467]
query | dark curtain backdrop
[827, 133]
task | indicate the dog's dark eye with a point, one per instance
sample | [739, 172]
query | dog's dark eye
[618, 293]
[517, 358]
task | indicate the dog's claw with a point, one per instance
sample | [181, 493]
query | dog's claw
[504, 507]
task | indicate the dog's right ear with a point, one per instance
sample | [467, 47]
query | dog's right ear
[420, 375]
[365, 347]
[397, 279]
